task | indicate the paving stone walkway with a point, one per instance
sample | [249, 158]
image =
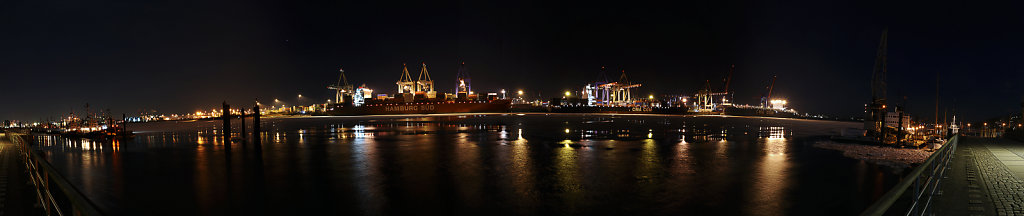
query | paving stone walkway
[986, 178]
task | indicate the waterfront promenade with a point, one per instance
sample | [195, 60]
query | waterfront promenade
[15, 194]
[986, 178]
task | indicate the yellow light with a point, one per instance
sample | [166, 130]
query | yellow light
[567, 93]
[520, 92]
[652, 97]
[567, 130]
[300, 95]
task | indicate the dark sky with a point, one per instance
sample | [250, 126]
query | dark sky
[183, 55]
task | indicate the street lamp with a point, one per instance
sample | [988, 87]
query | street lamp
[567, 93]
[520, 92]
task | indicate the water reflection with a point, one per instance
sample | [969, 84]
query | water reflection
[470, 164]
[772, 177]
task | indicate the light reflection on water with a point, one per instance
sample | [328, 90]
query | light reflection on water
[474, 164]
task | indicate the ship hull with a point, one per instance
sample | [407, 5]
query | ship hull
[620, 110]
[496, 106]
[736, 111]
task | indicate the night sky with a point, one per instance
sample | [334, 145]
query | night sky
[183, 56]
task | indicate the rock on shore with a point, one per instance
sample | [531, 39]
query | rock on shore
[881, 155]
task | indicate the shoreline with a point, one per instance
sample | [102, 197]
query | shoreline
[897, 158]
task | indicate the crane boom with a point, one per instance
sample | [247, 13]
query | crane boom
[771, 87]
[728, 78]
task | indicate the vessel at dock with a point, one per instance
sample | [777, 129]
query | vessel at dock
[620, 109]
[759, 111]
[414, 97]
[606, 96]
[494, 106]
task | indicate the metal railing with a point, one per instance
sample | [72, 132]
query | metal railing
[56, 195]
[923, 182]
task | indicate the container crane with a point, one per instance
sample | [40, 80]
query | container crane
[341, 87]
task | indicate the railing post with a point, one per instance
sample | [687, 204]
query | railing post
[917, 191]
[226, 116]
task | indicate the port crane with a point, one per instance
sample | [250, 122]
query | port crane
[708, 100]
[766, 101]
[423, 82]
[405, 83]
[341, 87]
[874, 119]
[462, 82]
[621, 93]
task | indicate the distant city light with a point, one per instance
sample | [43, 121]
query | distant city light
[520, 92]
[567, 93]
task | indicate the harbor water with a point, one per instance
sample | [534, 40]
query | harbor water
[493, 164]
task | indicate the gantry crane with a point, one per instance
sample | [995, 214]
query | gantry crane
[341, 87]
[405, 83]
[423, 82]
